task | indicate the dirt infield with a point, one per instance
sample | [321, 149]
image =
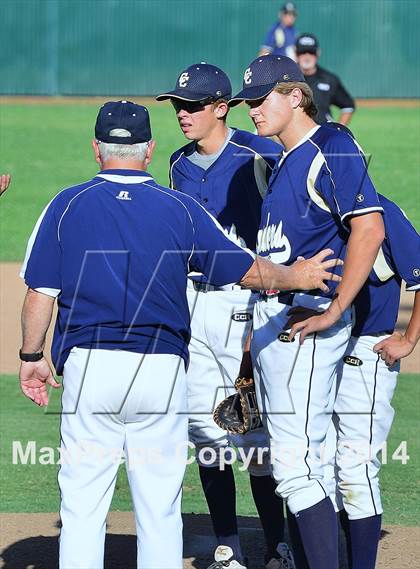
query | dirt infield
[12, 292]
[97, 100]
[29, 541]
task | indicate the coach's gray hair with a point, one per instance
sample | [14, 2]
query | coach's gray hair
[110, 150]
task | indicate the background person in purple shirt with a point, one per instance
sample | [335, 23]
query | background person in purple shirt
[281, 37]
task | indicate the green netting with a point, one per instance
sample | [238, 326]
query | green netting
[137, 47]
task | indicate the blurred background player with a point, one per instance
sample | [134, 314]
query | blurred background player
[281, 37]
[326, 87]
[226, 170]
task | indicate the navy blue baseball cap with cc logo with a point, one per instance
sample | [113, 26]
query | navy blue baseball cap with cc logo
[125, 115]
[199, 82]
[263, 74]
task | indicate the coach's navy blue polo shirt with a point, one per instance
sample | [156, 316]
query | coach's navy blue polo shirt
[116, 251]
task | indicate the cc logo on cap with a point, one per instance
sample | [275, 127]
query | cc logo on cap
[183, 79]
[247, 76]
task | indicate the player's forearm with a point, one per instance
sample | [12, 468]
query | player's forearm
[36, 317]
[363, 245]
[412, 333]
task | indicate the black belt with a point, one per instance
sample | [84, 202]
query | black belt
[205, 287]
[375, 334]
[283, 297]
[287, 297]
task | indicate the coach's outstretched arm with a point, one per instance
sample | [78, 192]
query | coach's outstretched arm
[302, 275]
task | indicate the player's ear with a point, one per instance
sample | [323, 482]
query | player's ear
[221, 109]
[149, 152]
[96, 151]
[296, 98]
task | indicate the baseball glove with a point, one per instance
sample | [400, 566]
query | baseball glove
[239, 413]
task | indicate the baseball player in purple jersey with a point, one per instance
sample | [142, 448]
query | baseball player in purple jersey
[281, 37]
[115, 252]
[227, 171]
[318, 194]
[366, 381]
[367, 378]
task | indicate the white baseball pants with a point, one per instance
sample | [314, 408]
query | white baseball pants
[362, 420]
[294, 385]
[220, 323]
[118, 403]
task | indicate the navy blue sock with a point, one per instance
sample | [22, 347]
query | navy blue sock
[219, 489]
[296, 542]
[270, 510]
[345, 526]
[319, 532]
[364, 537]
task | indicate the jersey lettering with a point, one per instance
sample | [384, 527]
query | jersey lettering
[272, 237]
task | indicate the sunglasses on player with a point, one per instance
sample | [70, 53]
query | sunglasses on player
[191, 106]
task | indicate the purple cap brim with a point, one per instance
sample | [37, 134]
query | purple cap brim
[252, 94]
[184, 95]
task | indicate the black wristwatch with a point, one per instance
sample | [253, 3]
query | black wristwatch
[31, 357]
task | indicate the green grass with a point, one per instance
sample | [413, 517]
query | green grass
[33, 488]
[47, 148]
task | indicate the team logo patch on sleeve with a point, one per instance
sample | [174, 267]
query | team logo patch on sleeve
[352, 361]
[284, 337]
[241, 316]
[416, 273]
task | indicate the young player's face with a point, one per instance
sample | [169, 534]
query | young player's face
[195, 120]
[271, 114]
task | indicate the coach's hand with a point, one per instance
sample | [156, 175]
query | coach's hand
[394, 348]
[309, 274]
[34, 377]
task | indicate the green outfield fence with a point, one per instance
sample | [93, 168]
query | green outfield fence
[136, 47]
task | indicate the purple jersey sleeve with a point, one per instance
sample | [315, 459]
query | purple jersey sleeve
[269, 41]
[222, 261]
[403, 242]
[344, 181]
[41, 267]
